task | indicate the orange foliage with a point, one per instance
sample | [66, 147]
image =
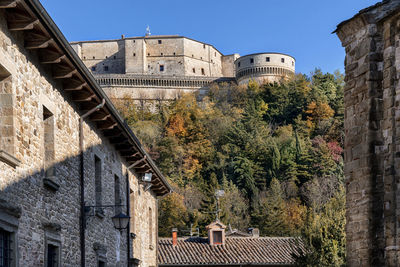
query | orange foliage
[176, 126]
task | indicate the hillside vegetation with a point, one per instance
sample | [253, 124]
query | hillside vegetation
[275, 149]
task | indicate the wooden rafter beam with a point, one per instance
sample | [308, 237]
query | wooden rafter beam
[8, 3]
[22, 25]
[64, 74]
[38, 44]
[52, 59]
[99, 116]
[75, 86]
[127, 153]
[84, 96]
[106, 125]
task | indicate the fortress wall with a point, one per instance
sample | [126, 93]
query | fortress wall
[135, 56]
[199, 56]
[228, 65]
[103, 55]
[264, 67]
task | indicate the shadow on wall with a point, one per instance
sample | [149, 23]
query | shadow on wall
[40, 215]
[112, 64]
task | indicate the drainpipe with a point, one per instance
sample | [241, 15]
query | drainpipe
[82, 221]
[128, 211]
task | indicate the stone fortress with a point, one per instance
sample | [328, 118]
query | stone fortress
[165, 66]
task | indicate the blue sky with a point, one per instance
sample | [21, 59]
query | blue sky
[299, 28]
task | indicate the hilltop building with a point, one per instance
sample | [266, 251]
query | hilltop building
[162, 67]
[372, 137]
[71, 170]
[233, 248]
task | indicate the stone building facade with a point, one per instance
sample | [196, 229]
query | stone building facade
[163, 67]
[68, 162]
[372, 134]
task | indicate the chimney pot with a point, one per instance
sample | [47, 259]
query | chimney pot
[174, 237]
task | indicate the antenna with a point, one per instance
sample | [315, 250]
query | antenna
[148, 33]
[218, 195]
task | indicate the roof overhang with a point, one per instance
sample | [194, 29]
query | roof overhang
[41, 34]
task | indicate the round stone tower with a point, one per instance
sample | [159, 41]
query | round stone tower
[264, 67]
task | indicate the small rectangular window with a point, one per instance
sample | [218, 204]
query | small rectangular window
[268, 59]
[238, 64]
[94, 68]
[134, 54]
[162, 54]
[217, 237]
[97, 180]
[292, 63]
[174, 53]
[117, 194]
[105, 68]
[161, 67]
[204, 46]
[251, 60]
[203, 72]
[194, 70]
[148, 54]
[5, 248]
[282, 60]
[52, 256]
[101, 264]
[159, 41]
[115, 57]
[48, 142]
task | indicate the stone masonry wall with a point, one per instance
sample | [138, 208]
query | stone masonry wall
[372, 134]
[39, 214]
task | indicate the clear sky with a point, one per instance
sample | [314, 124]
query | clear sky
[301, 28]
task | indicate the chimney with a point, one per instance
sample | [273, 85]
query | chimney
[123, 36]
[174, 237]
[255, 232]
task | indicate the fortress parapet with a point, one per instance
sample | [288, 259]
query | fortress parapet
[264, 67]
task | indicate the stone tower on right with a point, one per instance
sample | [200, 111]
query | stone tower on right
[264, 67]
[372, 134]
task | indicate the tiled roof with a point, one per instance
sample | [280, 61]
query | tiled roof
[259, 251]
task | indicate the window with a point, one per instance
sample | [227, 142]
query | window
[117, 194]
[6, 252]
[84, 57]
[101, 264]
[94, 68]
[134, 54]
[204, 46]
[7, 111]
[215, 54]
[268, 59]
[292, 63]
[161, 67]
[105, 68]
[194, 70]
[48, 143]
[201, 57]
[162, 54]
[159, 41]
[217, 237]
[203, 72]
[52, 256]
[106, 56]
[115, 57]
[94, 57]
[251, 60]
[97, 182]
[282, 60]
[174, 53]
[238, 64]
[192, 55]
[148, 54]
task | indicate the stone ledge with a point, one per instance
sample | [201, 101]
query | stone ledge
[9, 159]
[51, 184]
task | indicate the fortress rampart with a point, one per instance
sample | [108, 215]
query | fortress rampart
[162, 67]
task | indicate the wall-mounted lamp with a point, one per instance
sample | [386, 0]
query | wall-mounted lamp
[120, 220]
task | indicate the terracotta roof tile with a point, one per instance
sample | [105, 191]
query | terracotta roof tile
[260, 250]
